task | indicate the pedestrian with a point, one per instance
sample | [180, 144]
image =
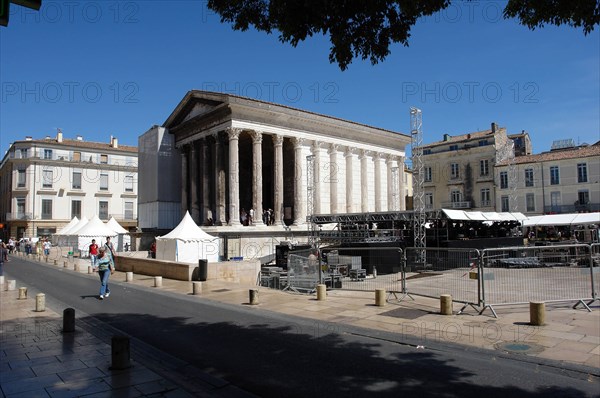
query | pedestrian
[153, 250]
[3, 257]
[104, 268]
[110, 249]
[47, 246]
[93, 250]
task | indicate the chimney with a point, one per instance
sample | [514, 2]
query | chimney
[59, 137]
[493, 128]
[114, 142]
[28, 138]
[446, 137]
[79, 138]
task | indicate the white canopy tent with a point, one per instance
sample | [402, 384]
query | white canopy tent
[94, 229]
[563, 219]
[69, 238]
[123, 238]
[59, 237]
[483, 215]
[187, 243]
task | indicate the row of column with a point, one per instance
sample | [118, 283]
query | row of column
[257, 199]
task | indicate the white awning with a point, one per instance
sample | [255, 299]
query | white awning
[563, 219]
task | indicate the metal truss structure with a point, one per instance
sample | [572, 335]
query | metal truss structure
[310, 199]
[416, 133]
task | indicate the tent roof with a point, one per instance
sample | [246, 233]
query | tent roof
[564, 219]
[73, 231]
[115, 226]
[95, 227]
[188, 231]
[482, 216]
[65, 230]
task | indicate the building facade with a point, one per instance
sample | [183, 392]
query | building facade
[459, 170]
[44, 183]
[239, 154]
[563, 180]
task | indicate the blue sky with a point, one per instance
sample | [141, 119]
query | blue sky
[101, 68]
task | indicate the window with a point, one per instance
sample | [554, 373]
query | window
[77, 156]
[104, 159]
[503, 180]
[504, 202]
[20, 208]
[76, 179]
[583, 197]
[485, 197]
[554, 176]
[427, 174]
[529, 178]
[454, 170]
[129, 210]
[46, 209]
[429, 200]
[24, 153]
[104, 182]
[47, 178]
[454, 147]
[426, 151]
[484, 167]
[582, 172]
[555, 201]
[47, 153]
[76, 209]
[103, 210]
[455, 196]
[483, 143]
[129, 182]
[530, 202]
[21, 178]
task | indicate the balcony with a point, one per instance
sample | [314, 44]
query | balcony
[127, 217]
[485, 203]
[457, 205]
[18, 216]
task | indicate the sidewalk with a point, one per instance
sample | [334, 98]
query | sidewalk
[36, 358]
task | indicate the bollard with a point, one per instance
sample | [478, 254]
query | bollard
[158, 281]
[380, 297]
[90, 269]
[65, 264]
[128, 276]
[11, 284]
[120, 353]
[2, 286]
[321, 292]
[253, 296]
[196, 288]
[22, 293]
[537, 313]
[76, 267]
[40, 302]
[446, 304]
[47, 259]
[55, 262]
[39, 258]
[68, 320]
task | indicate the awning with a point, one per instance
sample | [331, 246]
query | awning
[563, 219]
[483, 216]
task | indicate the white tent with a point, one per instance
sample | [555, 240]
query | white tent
[187, 243]
[563, 219]
[94, 229]
[59, 237]
[69, 238]
[123, 239]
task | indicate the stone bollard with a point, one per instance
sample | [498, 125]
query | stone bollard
[65, 264]
[128, 276]
[321, 292]
[40, 302]
[55, 262]
[253, 296]
[196, 288]
[39, 258]
[2, 286]
[90, 269]
[22, 293]
[446, 304]
[11, 284]
[76, 267]
[158, 281]
[120, 353]
[68, 320]
[537, 313]
[47, 259]
[380, 297]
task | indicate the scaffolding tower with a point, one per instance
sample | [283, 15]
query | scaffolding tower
[310, 200]
[416, 133]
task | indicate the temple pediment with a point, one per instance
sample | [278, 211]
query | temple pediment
[199, 109]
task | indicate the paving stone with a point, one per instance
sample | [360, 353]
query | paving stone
[30, 384]
[78, 389]
[10, 375]
[81, 374]
[131, 378]
[58, 367]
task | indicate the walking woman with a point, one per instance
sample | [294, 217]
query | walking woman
[105, 268]
[3, 257]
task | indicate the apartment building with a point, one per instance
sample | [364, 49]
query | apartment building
[459, 170]
[44, 183]
[565, 179]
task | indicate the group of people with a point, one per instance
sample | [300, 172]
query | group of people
[103, 262]
[247, 218]
[28, 246]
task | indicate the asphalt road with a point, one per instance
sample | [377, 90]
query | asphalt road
[274, 355]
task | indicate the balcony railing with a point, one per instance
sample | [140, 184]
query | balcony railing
[485, 203]
[129, 217]
[18, 216]
[457, 205]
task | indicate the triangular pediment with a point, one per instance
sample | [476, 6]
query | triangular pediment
[194, 104]
[198, 110]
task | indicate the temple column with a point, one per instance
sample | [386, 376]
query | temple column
[364, 182]
[278, 199]
[219, 182]
[401, 185]
[234, 176]
[316, 151]
[206, 212]
[299, 210]
[333, 179]
[377, 161]
[348, 154]
[257, 187]
[389, 162]
[194, 164]
[184, 180]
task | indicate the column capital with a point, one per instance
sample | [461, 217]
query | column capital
[363, 154]
[277, 139]
[298, 142]
[349, 151]
[389, 158]
[316, 145]
[376, 156]
[233, 132]
[332, 148]
[256, 136]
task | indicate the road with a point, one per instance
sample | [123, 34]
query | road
[275, 355]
